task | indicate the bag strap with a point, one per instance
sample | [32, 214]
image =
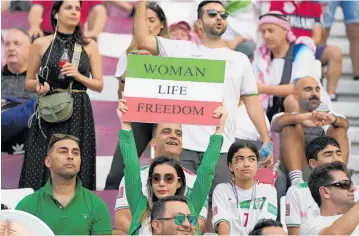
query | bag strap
[288, 63]
[75, 60]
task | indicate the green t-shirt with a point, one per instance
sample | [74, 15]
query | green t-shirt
[85, 214]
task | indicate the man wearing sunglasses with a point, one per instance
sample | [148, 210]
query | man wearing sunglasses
[63, 203]
[333, 191]
[172, 216]
[166, 141]
[300, 204]
[239, 81]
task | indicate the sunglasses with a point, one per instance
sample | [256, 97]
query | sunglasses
[344, 184]
[213, 13]
[57, 137]
[180, 218]
[167, 178]
[280, 16]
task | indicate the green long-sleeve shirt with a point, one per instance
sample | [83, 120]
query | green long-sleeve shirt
[138, 202]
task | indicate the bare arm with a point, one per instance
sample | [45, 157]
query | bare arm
[97, 20]
[202, 225]
[317, 33]
[256, 114]
[341, 123]
[223, 228]
[276, 90]
[141, 32]
[5, 5]
[233, 44]
[293, 230]
[345, 225]
[124, 5]
[33, 65]
[96, 83]
[123, 220]
[35, 18]
[287, 119]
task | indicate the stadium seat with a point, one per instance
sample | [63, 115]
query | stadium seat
[11, 197]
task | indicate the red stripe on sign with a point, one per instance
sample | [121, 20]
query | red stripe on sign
[153, 110]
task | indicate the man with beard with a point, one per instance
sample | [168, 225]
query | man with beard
[333, 191]
[298, 129]
[239, 81]
[63, 204]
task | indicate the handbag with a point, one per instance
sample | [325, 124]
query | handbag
[58, 107]
[286, 76]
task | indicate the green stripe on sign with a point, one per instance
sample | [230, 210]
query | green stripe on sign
[178, 69]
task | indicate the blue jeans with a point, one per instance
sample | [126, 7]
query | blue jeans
[350, 11]
[14, 120]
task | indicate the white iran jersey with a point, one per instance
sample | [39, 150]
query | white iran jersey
[300, 205]
[243, 216]
[121, 201]
[239, 80]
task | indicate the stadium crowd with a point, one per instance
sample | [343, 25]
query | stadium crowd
[277, 135]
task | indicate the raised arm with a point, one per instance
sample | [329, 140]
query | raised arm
[141, 32]
[206, 171]
[345, 225]
[35, 18]
[133, 184]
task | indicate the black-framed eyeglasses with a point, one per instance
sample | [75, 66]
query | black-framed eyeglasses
[180, 218]
[280, 16]
[167, 178]
[344, 184]
[57, 137]
[213, 13]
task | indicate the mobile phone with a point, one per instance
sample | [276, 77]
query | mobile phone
[41, 79]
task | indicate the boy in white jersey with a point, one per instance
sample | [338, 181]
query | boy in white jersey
[239, 80]
[300, 204]
[333, 191]
[238, 206]
[167, 141]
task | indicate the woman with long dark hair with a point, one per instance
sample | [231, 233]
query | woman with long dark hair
[241, 203]
[48, 73]
[166, 177]
[158, 26]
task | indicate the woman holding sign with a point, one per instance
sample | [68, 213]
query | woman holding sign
[157, 24]
[166, 177]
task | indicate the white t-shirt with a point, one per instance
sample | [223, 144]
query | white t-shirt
[121, 65]
[121, 201]
[245, 127]
[243, 217]
[304, 64]
[239, 80]
[313, 226]
[300, 205]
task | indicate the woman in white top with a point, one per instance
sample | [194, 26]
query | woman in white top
[157, 24]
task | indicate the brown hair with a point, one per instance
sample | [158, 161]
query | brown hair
[164, 31]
